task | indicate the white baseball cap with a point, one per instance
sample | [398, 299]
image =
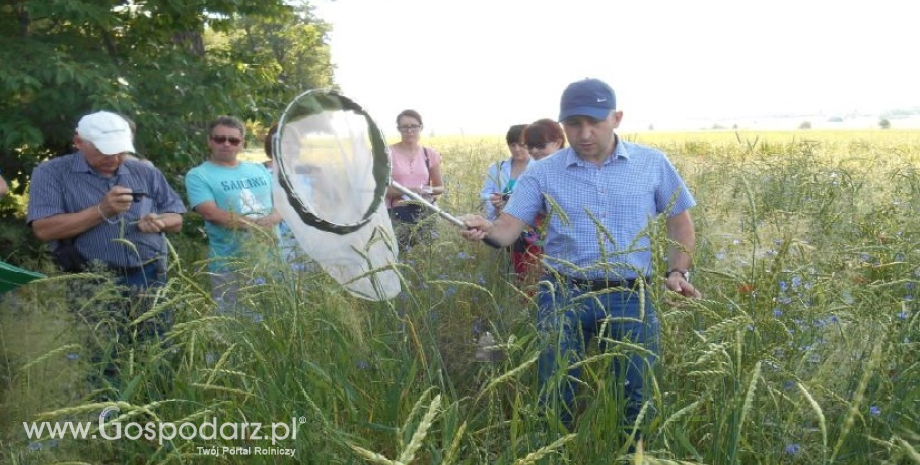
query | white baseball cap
[109, 132]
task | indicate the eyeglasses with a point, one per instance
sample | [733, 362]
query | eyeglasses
[537, 146]
[409, 127]
[223, 139]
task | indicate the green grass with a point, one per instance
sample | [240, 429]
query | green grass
[802, 351]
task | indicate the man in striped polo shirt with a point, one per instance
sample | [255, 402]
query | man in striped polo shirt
[601, 196]
[98, 210]
[111, 210]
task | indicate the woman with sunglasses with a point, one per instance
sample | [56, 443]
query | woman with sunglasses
[418, 168]
[543, 137]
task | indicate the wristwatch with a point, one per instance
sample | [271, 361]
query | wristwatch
[684, 273]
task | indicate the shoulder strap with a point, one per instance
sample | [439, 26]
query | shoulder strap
[427, 160]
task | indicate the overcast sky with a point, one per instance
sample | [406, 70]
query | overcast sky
[478, 66]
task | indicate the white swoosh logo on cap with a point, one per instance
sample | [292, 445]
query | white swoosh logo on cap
[600, 100]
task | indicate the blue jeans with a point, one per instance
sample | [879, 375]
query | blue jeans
[568, 317]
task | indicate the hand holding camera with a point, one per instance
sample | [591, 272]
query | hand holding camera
[119, 200]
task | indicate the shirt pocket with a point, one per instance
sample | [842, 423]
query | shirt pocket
[629, 215]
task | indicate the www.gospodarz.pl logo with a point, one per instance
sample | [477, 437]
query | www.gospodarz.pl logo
[165, 431]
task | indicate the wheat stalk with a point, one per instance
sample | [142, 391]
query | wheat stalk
[820, 413]
[409, 453]
[372, 457]
[454, 446]
[857, 401]
[533, 457]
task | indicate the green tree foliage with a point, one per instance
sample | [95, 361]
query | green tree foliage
[169, 65]
[884, 123]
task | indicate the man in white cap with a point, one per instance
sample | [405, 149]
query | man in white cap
[98, 210]
[601, 196]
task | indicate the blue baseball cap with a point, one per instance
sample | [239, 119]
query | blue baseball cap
[588, 97]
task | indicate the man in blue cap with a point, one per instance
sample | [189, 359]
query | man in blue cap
[601, 196]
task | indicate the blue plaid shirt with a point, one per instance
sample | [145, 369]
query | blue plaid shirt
[599, 217]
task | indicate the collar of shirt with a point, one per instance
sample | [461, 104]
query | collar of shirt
[81, 166]
[572, 158]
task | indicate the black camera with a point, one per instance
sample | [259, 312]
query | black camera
[137, 196]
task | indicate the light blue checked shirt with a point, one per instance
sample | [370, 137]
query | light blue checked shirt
[623, 196]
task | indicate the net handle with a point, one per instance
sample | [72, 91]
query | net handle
[443, 214]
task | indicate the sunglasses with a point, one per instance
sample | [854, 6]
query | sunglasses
[537, 146]
[234, 141]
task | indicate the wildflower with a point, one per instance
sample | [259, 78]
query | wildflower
[481, 280]
[73, 356]
[792, 449]
[720, 255]
[777, 313]
[783, 286]
[903, 315]
[362, 364]
[875, 411]
[745, 288]
[35, 446]
[796, 282]
[847, 298]
[450, 291]
[750, 327]
[736, 242]
[908, 298]
[463, 255]
[788, 384]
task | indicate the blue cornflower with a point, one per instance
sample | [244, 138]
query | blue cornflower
[720, 255]
[462, 255]
[792, 449]
[73, 356]
[796, 282]
[903, 315]
[875, 411]
[777, 313]
[847, 298]
[783, 286]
